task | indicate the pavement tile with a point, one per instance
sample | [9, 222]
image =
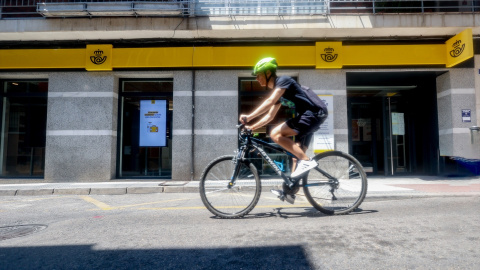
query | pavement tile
[144, 190]
[34, 192]
[108, 191]
[71, 191]
[7, 192]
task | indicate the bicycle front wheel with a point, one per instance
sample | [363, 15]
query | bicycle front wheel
[337, 185]
[224, 200]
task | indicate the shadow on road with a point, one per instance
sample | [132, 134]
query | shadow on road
[87, 257]
[287, 213]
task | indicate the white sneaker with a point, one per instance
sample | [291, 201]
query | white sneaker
[303, 166]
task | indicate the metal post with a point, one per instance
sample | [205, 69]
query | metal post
[391, 131]
[474, 128]
[146, 161]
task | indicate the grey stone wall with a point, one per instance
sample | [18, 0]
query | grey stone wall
[331, 82]
[455, 92]
[182, 126]
[82, 116]
[216, 114]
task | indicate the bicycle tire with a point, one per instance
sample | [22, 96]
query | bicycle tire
[229, 202]
[347, 195]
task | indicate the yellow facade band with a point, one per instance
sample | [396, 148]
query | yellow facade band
[153, 57]
[394, 55]
[42, 59]
[322, 55]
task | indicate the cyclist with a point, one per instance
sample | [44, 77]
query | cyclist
[311, 113]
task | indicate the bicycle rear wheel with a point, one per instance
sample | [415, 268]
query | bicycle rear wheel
[337, 185]
[224, 200]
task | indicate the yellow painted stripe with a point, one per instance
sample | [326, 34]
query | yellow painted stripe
[99, 204]
[149, 203]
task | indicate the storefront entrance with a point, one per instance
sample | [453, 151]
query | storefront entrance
[393, 122]
[145, 142]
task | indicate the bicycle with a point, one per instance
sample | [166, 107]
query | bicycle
[230, 186]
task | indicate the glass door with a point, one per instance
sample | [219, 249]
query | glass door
[396, 139]
[23, 128]
[145, 138]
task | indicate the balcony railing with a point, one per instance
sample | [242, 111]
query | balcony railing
[14, 9]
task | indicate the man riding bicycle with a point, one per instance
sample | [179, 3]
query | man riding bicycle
[311, 113]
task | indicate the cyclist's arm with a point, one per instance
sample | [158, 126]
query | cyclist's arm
[267, 118]
[265, 106]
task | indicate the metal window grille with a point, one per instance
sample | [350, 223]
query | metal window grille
[11, 9]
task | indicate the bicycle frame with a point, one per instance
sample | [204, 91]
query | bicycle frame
[251, 142]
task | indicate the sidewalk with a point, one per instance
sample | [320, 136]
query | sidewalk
[377, 187]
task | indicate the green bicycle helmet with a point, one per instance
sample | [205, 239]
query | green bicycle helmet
[265, 64]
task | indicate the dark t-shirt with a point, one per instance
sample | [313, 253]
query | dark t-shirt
[294, 93]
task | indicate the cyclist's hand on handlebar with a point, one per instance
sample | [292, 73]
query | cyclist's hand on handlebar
[243, 119]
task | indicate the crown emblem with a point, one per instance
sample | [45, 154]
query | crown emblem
[328, 56]
[458, 48]
[97, 59]
[329, 50]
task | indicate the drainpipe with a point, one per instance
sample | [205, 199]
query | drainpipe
[192, 153]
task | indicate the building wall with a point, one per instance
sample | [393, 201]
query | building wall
[81, 126]
[83, 114]
[331, 82]
[455, 92]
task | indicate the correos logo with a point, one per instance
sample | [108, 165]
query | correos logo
[458, 48]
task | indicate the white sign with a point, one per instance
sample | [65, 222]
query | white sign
[153, 123]
[466, 115]
[323, 139]
[398, 124]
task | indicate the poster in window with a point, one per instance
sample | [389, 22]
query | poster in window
[398, 124]
[323, 139]
[153, 123]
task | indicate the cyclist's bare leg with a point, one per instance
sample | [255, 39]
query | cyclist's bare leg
[294, 160]
[281, 135]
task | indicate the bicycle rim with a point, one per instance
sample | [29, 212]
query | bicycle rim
[225, 201]
[336, 198]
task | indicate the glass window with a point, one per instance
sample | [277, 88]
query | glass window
[252, 94]
[23, 125]
[136, 160]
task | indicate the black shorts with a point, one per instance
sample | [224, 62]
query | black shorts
[306, 124]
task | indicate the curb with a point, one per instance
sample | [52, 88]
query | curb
[107, 191]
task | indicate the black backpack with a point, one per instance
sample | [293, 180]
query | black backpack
[314, 98]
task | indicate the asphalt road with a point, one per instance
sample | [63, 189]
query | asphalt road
[175, 231]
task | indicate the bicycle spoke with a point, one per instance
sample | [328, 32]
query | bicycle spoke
[338, 185]
[229, 201]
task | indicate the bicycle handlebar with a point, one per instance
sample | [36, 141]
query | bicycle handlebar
[244, 130]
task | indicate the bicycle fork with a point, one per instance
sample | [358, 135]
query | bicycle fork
[236, 169]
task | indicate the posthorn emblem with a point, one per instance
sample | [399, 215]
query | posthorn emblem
[328, 56]
[97, 59]
[458, 48]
